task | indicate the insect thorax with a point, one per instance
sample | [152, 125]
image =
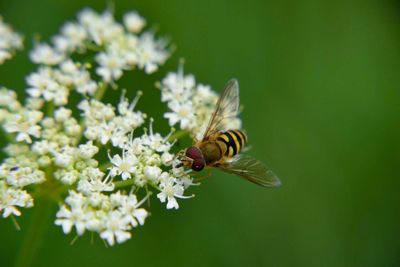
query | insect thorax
[211, 151]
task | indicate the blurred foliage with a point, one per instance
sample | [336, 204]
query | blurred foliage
[320, 86]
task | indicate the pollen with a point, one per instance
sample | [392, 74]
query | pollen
[125, 166]
[184, 112]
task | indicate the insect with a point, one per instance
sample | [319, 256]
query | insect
[221, 147]
[13, 169]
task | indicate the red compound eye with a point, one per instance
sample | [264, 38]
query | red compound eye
[193, 153]
[198, 164]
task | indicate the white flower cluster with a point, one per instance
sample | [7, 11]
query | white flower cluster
[118, 48]
[11, 198]
[21, 169]
[57, 144]
[103, 124]
[55, 83]
[191, 105]
[112, 216]
[9, 41]
[143, 159]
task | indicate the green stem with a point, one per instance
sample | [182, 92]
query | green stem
[130, 182]
[105, 166]
[101, 91]
[34, 236]
[177, 135]
[93, 47]
[48, 194]
[125, 183]
[16, 224]
[50, 109]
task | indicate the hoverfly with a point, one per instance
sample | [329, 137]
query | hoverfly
[220, 147]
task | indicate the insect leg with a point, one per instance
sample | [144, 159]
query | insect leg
[201, 178]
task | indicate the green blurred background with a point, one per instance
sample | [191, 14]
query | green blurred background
[320, 83]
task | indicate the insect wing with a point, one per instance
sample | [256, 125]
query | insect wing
[227, 108]
[252, 170]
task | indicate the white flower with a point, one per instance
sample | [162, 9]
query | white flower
[191, 105]
[44, 84]
[203, 95]
[77, 77]
[187, 181]
[92, 181]
[68, 218]
[116, 228]
[9, 41]
[45, 54]
[124, 166]
[111, 66]
[106, 132]
[96, 111]
[8, 100]
[62, 114]
[24, 176]
[40, 81]
[155, 141]
[152, 172]
[134, 22]
[94, 185]
[34, 103]
[88, 150]
[15, 150]
[11, 198]
[182, 112]
[129, 207]
[169, 191]
[74, 34]
[61, 43]
[100, 28]
[151, 53]
[67, 177]
[167, 158]
[43, 147]
[73, 213]
[65, 156]
[129, 119]
[25, 125]
[134, 214]
[118, 136]
[177, 87]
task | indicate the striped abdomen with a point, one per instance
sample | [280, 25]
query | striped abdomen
[232, 142]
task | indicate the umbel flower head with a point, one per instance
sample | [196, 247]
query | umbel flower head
[10, 41]
[102, 161]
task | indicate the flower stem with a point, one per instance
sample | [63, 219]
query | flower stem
[177, 135]
[101, 91]
[16, 224]
[34, 238]
[105, 166]
[130, 182]
[93, 47]
[50, 109]
[124, 183]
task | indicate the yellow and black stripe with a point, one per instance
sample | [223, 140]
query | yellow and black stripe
[234, 141]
